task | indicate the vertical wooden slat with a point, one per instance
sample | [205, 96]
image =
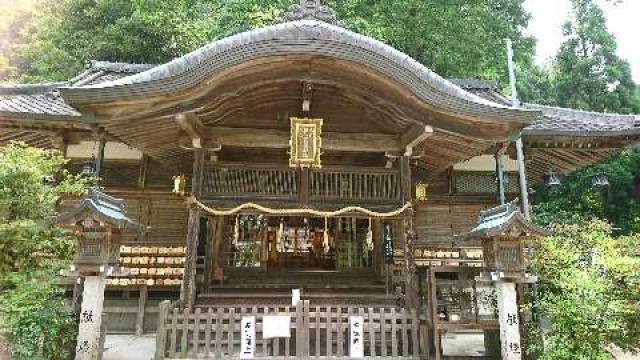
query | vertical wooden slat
[174, 333]
[219, 330]
[232, 329]
[415, 342]
[142, 303]
[383, 332]
[394, 329]
[405, 333]
[265, 346]
[207, 333]
[276, 347]
[340, 351]
[185, 332]
[305, 328]
[318, 329]
[299, 329]
[372, 333]
[329, 316]
[161, 337]
[196, 332]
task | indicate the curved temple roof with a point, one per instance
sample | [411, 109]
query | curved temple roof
[27, 109]
[303, 37]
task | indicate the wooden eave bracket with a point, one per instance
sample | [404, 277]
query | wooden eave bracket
[191, 124]
[414, 136]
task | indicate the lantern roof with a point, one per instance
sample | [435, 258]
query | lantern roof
[105, 208]
[501, 220]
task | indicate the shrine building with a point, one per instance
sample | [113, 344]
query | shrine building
[305, 156]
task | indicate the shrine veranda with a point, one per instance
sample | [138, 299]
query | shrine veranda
[313, 158]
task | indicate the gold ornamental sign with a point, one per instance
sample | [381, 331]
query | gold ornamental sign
[306, 142]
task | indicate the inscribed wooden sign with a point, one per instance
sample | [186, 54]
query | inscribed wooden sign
[356, 337]
[276, 326]
[248, 337]
[306, 142]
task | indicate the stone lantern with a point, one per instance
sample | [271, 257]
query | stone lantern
[502, 230]
[98, 220]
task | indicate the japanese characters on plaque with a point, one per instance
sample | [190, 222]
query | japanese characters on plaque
[511, 346]
[248, 337]
[306, 142]
[356, 337]
[388, 244]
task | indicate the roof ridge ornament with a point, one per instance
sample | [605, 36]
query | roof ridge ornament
[311, 10]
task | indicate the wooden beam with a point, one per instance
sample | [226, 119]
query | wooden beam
[279, 139]
[414, 136]
[191, 124]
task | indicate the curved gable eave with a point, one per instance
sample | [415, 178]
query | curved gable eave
[305, 37]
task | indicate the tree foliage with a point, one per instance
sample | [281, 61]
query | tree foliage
[588, 290]
[31, 253]
[455, 38]
[588, 73]
[576, 200]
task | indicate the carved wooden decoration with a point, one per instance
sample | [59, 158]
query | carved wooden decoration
[306, 142]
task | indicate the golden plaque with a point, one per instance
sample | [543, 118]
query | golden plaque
[306, 142]
[421, 191]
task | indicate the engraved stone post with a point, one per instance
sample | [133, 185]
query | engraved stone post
[88, 345]
[509, 321]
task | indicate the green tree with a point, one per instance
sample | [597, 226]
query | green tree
[588, 290]
[455, 38]
[576, 200]
[31, 253]
[589, 74]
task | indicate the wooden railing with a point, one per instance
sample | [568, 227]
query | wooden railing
[316, 331]
[250, 181]
[362, 185]
[268, 182]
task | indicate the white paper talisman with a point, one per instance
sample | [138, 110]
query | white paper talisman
[356, 337]
[276, 326]
[248, 337]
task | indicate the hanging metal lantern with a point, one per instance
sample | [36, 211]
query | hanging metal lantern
[552, 179]
[89, 167]
[600, 180]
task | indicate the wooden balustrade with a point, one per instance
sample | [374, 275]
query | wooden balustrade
[316, 331]
[360, 185]
[339, 185]
[250, 181]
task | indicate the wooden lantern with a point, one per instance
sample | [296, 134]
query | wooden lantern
[97, 220]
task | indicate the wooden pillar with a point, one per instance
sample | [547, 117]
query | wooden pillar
[102, 142]
[142, 175]
[142, 304]
[500, 176]
[522, 173]
[188, 289]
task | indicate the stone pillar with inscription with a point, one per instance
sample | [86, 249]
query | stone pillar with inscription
[97, 221]
[88, 343]
[509, 320]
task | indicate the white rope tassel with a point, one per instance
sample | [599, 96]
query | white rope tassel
[369, 240]
[325, 242]
[236, 232]
[279, 235]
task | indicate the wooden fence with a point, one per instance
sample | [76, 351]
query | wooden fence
[316, 332]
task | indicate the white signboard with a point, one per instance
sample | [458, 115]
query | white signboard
[356, 338]
[276, 326]
[248, 337]
[295, 296]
